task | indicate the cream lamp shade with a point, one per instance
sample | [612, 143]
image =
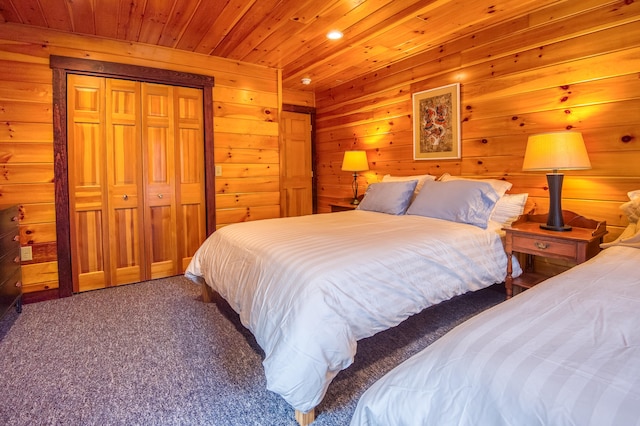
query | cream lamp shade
[556, 151]
[355, 161]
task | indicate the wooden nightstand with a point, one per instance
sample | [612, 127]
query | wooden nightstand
[340, 206]
[526, 236]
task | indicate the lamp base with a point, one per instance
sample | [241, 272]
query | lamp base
[555, 228]
[555, 221]
[355, 201]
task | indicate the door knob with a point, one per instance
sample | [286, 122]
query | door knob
[159, 195]
[125, 197]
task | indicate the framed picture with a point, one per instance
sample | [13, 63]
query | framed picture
[436, 123]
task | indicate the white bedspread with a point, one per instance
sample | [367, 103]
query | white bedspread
[566, 352]
[309, 287]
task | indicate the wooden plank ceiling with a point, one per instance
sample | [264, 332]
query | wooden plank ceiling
[286, 34]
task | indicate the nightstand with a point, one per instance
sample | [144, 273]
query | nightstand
[341, 206]
[525, 236]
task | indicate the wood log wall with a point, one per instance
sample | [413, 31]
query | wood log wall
[246, 106]
[572, 66]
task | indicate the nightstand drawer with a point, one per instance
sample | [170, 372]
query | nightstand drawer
[544, 247]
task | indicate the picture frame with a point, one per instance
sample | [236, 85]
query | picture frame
[436, 123]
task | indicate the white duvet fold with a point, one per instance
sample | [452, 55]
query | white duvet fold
[309, 287]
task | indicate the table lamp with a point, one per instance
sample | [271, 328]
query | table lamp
[556, 151]
[355, 161]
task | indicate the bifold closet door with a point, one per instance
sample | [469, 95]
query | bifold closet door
[136, 180]
[190, 191]
[87, 182]
[173, 150]
[125, 206]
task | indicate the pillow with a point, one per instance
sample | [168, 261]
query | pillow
[632, 210]
[630, 237]
[388, 197]
[508, 208]
[463, 201]
[500, 186]
[420, 178]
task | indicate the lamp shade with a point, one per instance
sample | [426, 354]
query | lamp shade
[355, 161]
[556, 151]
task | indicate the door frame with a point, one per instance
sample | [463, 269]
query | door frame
[61, 66]
[312, 118]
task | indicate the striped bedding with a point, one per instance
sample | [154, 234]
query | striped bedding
[566, 352]
[309, 287]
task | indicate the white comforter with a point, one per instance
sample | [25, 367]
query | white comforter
[309, 287]
[566, 352]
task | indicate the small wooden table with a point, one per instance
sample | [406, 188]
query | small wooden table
[340, 206]
[526, 236]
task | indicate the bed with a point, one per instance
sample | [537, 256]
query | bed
[310, 287]
[566, 352]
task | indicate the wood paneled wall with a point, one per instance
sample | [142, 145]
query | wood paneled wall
[246, 106]
[571, 66]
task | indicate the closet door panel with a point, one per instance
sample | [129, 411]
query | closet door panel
[158, 144]
[124, 165]
[190, 193]
[87, 186]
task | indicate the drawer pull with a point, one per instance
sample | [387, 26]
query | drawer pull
[125, 197]
[16, 259]
[19, 284]
[16, 238]
[14, 219]
[541, 245]
[159, 195]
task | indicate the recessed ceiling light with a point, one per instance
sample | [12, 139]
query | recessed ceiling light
[334, 35]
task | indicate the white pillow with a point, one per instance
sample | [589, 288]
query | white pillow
[634, 194]
[508, 208]
[462, 201]
[632, 209]
[388, 197]
[500, 186]
[420, 178]
[630, 237]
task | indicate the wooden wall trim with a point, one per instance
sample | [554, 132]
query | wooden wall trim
[61, 66]
[136, 72]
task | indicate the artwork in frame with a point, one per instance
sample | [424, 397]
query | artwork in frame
[436, 123]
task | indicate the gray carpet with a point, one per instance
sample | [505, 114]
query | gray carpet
[154, 354]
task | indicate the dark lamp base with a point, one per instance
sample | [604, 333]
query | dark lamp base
[355, 201]
[562, 228]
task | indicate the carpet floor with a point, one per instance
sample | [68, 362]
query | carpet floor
[154, 354]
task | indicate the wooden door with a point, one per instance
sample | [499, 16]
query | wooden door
[295, 164]
[88, 196]
[124, 177]
[190, 190]
[159, 179]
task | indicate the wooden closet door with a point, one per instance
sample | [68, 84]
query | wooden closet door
[87, 186]
[158, 148]
[136, 180]
[124, 177]
[190, 193]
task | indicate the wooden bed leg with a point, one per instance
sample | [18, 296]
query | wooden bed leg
[305, 419]
[207, 293]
